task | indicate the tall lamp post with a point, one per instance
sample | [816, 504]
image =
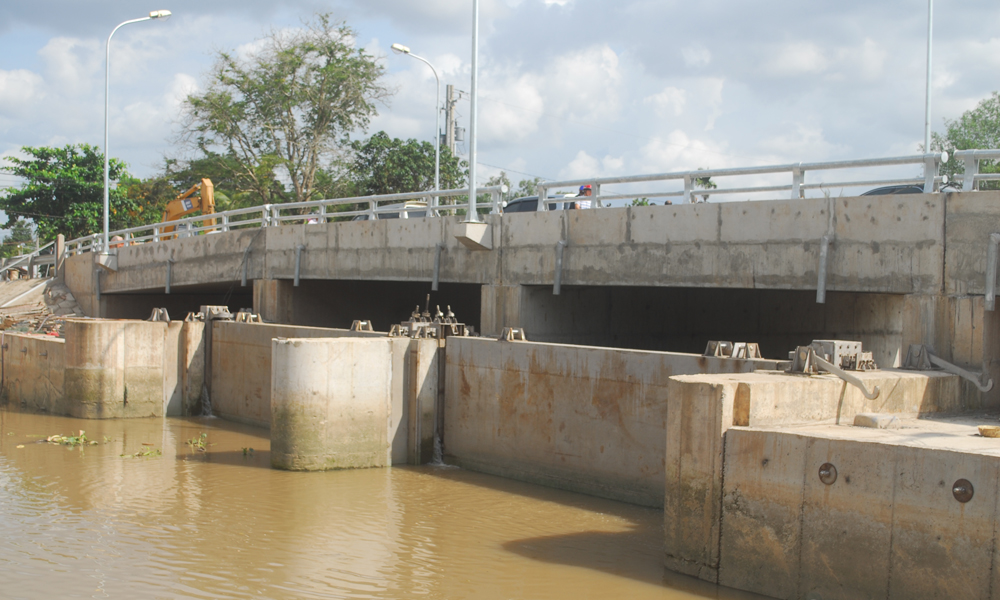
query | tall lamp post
[473, 216]
[401, 49]
[156, 14]
[927, 105]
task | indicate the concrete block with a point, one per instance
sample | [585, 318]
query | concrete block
[787, 221]
[877, 421]
[846, 527]
[475, 236]
[603, 227]
[532, 229]
[942, 548]
[761, 535]
[680, 224]
[330, 403]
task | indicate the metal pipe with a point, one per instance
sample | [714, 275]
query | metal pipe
[947, 366]
[557, 283]
[298, 262]
[437, 266]
[851, 379]
[824, 249]
[991, 270]
[170, 271]
[472, 216]
[927, 106]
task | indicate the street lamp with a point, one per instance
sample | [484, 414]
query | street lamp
[401, 49]
[473, 216]
[156, 14]
[927, 105]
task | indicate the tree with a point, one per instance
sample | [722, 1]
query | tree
[285, 112]
[20, 234]
[978, 128]
[63, 191]
[388, 166]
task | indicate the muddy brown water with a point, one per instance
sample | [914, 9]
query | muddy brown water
[85, 522]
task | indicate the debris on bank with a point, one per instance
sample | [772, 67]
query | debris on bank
[36, 306]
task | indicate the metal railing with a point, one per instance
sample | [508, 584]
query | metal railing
[930, 181]
[32, 260]
[398, 205]
[270, 215]
[972, 177]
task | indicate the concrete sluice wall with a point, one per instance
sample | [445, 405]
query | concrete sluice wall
[263, 371]
[105, 369]
[591, 420]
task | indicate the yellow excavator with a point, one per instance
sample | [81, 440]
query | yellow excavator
[201, 197]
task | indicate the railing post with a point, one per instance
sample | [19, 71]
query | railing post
[971, 170]
[688, 188]
[542, 197]
[931, 165]
[225, 222]
[265, 215]
[371, 210]
[798, 178]
[597, 193]
[322, 213]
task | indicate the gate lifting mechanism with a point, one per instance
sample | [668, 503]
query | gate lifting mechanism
[921, 357]
[837, 357]
[422, 326]
[732, 350]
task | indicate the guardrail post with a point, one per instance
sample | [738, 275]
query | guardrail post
[543, 195]
[322, 213]
[930, 171]
[495, 201]
[798, 178]
[371, 210]
[971, 170]
[598, 203]
[265, 215]
[688, 188]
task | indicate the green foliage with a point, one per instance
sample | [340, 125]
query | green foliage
[63, 191]
[199, 443]
[640, 202]
[527, 187]
[144, 453]
[388, 166]
[976, 129]
[71, 440]
[20, 234]
[287, 109]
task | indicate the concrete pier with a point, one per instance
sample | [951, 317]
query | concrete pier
[330, 403]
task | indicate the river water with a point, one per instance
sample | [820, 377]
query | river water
[86, 522]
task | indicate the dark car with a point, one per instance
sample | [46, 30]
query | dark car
[892, 190]
[530, 204]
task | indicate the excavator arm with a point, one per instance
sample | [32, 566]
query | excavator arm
[200, 197]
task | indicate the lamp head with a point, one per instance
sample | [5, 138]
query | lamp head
[400, 49]
[160, 14]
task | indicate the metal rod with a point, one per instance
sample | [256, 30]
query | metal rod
[991, 271]
[472, 216]
[851, 379]
[824, 249]
[927, 106]
[557, 282]
[170, 272]
[947, 366]
[437, 266]
[298, 262]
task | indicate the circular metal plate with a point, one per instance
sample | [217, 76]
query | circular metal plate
[963, 490]
[828, 473]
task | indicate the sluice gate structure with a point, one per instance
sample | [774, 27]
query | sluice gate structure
[769, 481]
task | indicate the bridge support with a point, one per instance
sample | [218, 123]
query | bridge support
[272, 300]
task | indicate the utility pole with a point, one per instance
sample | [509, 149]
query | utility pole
[449, 118]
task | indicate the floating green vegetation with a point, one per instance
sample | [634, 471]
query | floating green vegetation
[144, 453]
[199, 443]
[107, 440]
[248, 452]
[72, 440]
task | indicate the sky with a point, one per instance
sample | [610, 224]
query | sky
[568, 88]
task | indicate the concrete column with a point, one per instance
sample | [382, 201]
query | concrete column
[500, 307]
[330, 403]
[272, 300]
[61, 258]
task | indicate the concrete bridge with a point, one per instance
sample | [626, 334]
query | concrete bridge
[899, 270]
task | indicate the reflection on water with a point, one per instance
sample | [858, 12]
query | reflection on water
[88, 523]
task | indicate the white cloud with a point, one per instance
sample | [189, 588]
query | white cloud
[73, 65]
[696, 55]
[584, 84]
[794, 59]
[670, 100]
[585, 165]
[679, 152]
[19, 91]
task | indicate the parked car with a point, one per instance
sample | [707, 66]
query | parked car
[530, 204]
[892, 190]
[400, 214]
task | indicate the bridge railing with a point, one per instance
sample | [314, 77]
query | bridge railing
[970, 180]
[930, 181]
[269, 215]
[37, 258]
